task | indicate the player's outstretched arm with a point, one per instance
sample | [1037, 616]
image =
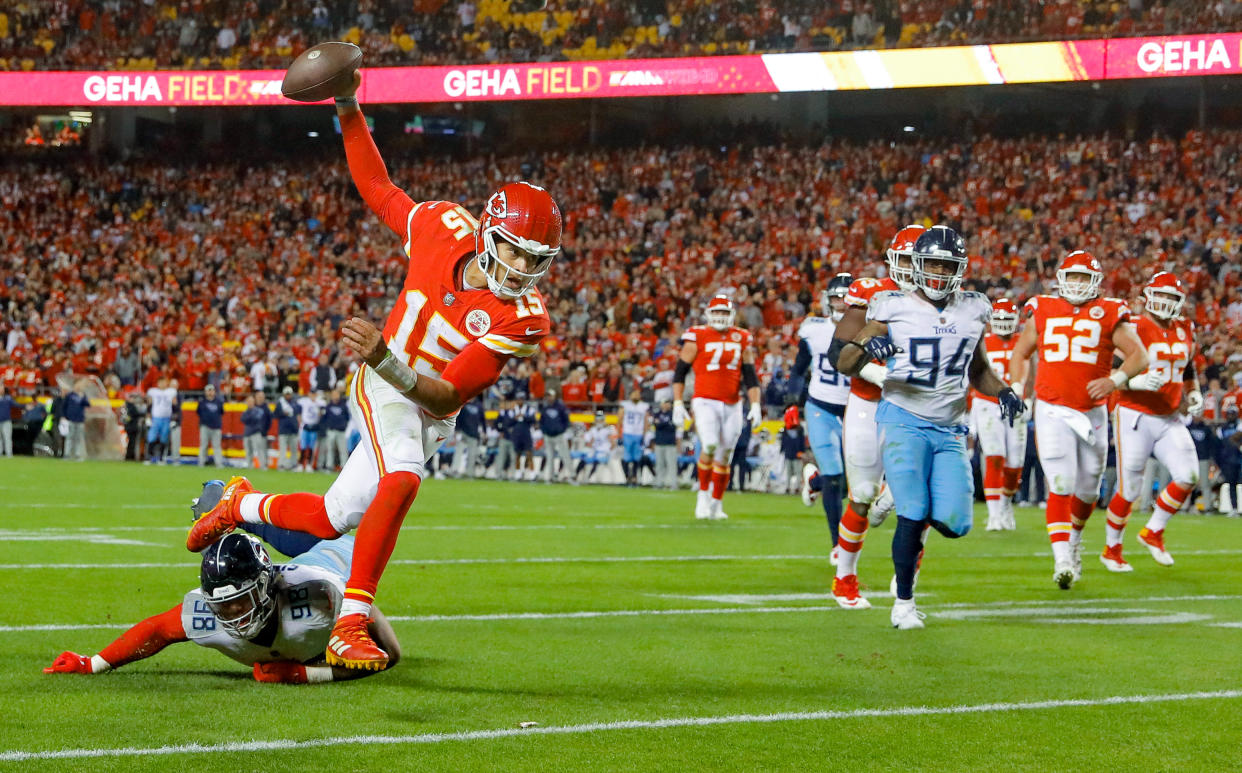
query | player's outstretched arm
[142, 641]
[367, 167]
[689, 350]
[857, 350]
[1021, 356]
[751, 381]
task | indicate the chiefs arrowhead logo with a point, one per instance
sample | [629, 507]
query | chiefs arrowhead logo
[1097, 312]
[1181, 334]
[478, 322]
[736, 336]
[498, 205]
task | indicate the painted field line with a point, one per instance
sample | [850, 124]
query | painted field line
[465, 561]
[439, 527]
[90, 505]
[605, 613]
[599, 727]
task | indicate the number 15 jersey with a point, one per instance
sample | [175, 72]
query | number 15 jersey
[1075, 345]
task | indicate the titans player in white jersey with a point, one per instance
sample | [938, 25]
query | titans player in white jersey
[931, 340]
[276, 619]
[826, 392]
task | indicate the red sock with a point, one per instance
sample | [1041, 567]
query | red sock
[377, 534]
[1058, 517]
[1013, 479]
[993, 477]
[705, 476]
[1171, 499]
[299, 512]
[1080, 511]
[852, 531]
[720, 481]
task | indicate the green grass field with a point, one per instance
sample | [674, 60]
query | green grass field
[634, 636]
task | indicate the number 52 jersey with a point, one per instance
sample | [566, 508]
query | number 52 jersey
[930, 377]
[1075, 345]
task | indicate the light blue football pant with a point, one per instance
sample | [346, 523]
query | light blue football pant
[823, 429]
[928, 471]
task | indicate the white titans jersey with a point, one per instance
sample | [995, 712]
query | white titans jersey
[307, 600]
[826, 384]
[599, 439]
[931, 377]
[634, 417]
[162, 402]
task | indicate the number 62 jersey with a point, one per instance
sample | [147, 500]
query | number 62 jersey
[930, 378]
[1075, 345]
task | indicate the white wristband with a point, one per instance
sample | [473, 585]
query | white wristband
[99, 665]
[874, 372]
[397, 373]
[318, 674]
[1119, 378]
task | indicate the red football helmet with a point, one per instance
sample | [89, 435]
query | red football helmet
[1004, 317]
[720, 313]
[1164, 296]
[902, 246]
[525, 216]
[1079, 291]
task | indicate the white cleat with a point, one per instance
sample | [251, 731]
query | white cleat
[703, 506]
[809, 496]
[716, 512]
[1063, 575]
[1076, 559]
[881, 507]
[994, 524]
[1008, 522]
[1154, 542]
[906, 616]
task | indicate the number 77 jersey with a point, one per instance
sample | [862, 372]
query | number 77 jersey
[718, 363]
[1075, 345]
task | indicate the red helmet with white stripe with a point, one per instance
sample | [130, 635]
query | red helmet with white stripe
[720, 313]
[1164, 296]
[526, 217]
[1089, 275]
[1004, 317]
[902, 246]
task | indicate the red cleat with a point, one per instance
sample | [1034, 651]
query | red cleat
[1111, 558]
[351, 645]
[845, 591]
[222, 518]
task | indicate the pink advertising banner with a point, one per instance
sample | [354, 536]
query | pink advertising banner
[1052, 61]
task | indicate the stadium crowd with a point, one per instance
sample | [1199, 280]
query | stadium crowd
[238, 275]
[203, 34]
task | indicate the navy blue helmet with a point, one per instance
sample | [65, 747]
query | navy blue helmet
[838, 287]
[238, 582]
[945, 248]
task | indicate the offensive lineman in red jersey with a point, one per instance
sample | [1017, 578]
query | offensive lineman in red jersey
[1147, 422]
[1075, 334]
[469, 304]
[727, 360]
[1003, 446]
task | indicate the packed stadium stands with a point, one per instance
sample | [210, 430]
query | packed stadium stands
[211, 34]
[201, 270]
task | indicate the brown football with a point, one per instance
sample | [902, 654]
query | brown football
[321, 72]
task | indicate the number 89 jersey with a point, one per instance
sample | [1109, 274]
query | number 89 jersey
[931, 376]
[1075, 345]
[718, 363]
[307, 600]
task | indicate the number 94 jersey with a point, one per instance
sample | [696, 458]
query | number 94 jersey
[718, 363]
[307, 600]
[931, 376]
[1075, 345]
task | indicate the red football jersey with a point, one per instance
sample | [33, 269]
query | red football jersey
[860, 293]
[439, 326]
[1075, 345]
[1170, 349]
[1000, 350]
[437, 317]
[718, 363]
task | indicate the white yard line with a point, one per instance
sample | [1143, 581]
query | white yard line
[599, 727]
[967, 610]
[463, 561]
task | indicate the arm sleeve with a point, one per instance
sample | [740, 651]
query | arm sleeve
[680, 370]
[803, 360]
[371, 176]
[475, 369]
[145, 639]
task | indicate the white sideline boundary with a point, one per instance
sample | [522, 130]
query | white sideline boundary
[604, 613]
[598, 727]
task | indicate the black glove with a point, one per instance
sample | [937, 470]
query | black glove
[881, 348]
[1011, 406]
